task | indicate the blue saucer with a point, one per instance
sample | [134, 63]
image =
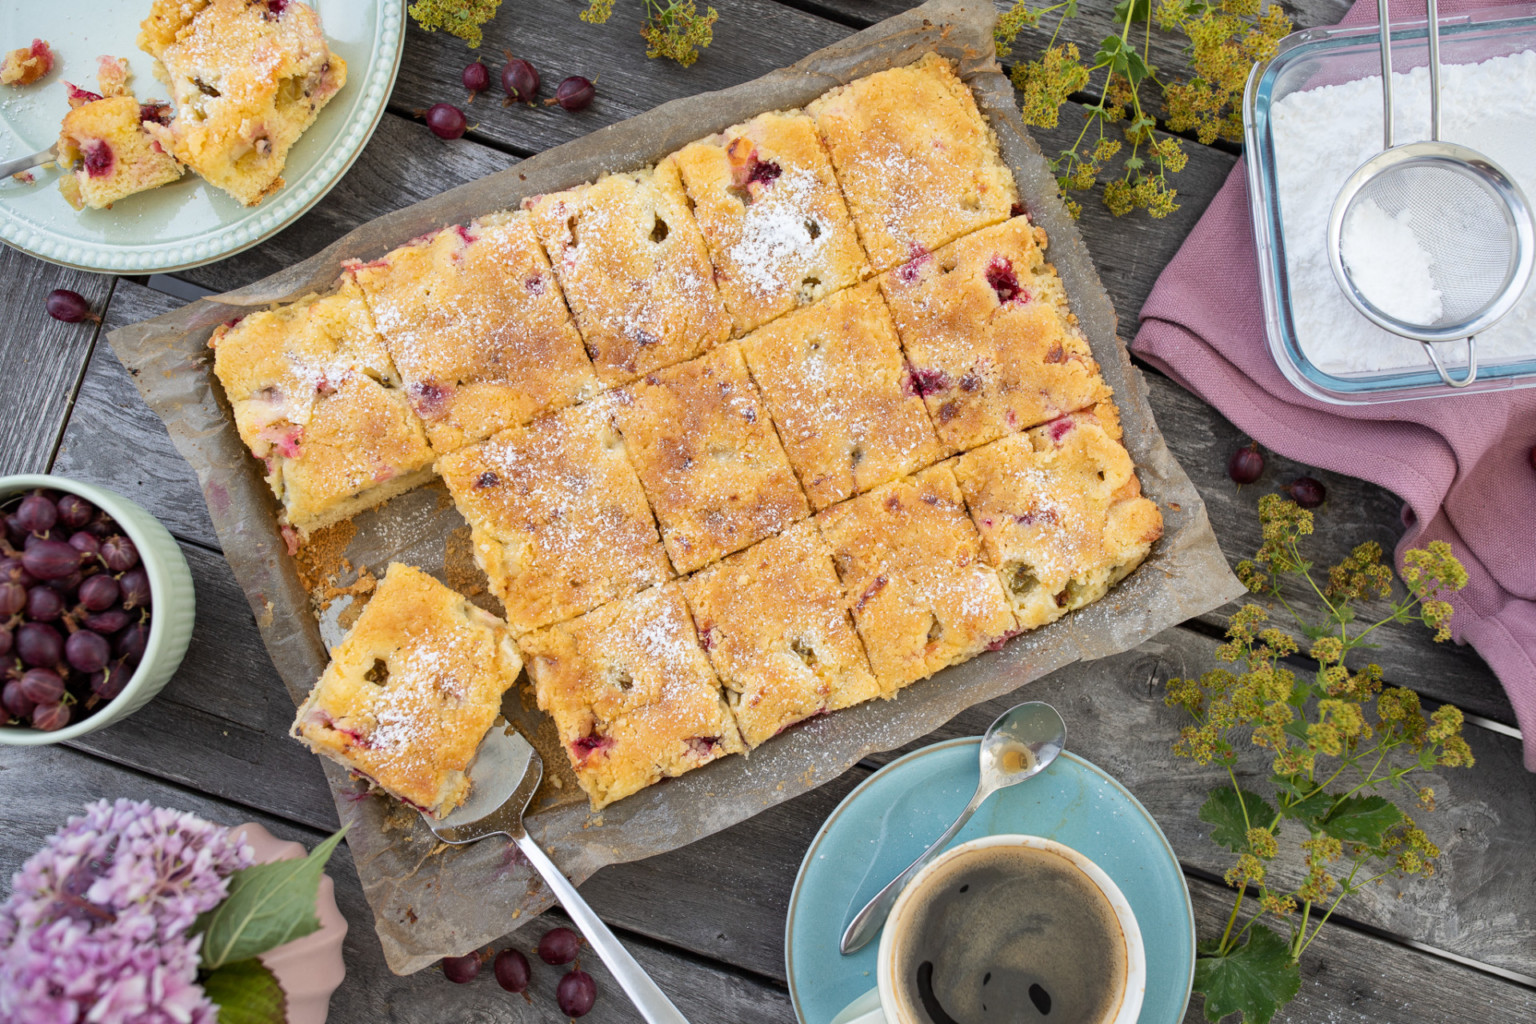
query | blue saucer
[894, 814]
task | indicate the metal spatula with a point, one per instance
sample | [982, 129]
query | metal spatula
[503, 779]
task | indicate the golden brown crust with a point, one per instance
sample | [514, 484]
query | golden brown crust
[918, 164]
[559, 522]
[986, 329]
[634, 270]
[316, 398]
[475, 322]
[247, 81]
[632, 694]
[775, 622]
[713, 469]
[767, 201]
[412, 690]
[838, 391]
[910, 561]
[1060, 512]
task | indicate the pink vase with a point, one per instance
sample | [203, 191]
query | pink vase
[311, 968]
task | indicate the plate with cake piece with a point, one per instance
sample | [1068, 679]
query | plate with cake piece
[172, 149]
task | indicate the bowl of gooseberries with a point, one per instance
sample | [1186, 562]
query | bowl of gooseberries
[96, 608]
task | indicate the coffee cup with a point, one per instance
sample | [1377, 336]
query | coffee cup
[1007, 927]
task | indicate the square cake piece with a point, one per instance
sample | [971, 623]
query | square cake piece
[775, 623]
[411, 691]
[316, 398]
[708, 458]
[768, 203]
[838, 391]
[918, 164]
[248, 77]
[108, 151]
[992, 344]
[1060, 512]
[910, 561]
[475, 322]
[559, 522]
[632, 694]
[633, 267]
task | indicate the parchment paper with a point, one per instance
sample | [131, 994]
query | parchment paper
[431, 901]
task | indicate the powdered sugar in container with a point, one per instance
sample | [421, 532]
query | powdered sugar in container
[1312, 114]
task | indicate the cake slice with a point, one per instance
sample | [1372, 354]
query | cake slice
[708, 458]
[633, 268]
[476, 325]
[632, 694]
[108, 148]
[248, 77]
[992, 344]
[775, 623]
[559, 522]
[316, 398]
[772, 215]
[411, 691]
[837, 388]
[910, 561]
[917, 163]
[1060, 512]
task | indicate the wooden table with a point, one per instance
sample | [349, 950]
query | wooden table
[708, 919]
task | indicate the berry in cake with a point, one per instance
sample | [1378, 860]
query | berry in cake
[992, 344]
[1060, 512]
[475, 323]
[26, 64]
[247, 77]
[411, 691]
[317, 400]
[632, 264]
[836, 387]
[774, 621]
[918, 164]
[708, 458]
[772, 215]
[109, 152]
[910, 562]
[632, 694]
[558, 519]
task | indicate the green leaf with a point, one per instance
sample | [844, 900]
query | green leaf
[1070, 10]
[1362, 819]
[1305, 801]
[1297, 728]
[1255, 980]
[267, 905]
[1121, 59]
[246, 992]
[1224, 809]
[1139, 10]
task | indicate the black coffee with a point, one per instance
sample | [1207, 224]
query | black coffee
[1009, 934]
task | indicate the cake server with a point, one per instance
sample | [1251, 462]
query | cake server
[503, 778]
[1021, 744]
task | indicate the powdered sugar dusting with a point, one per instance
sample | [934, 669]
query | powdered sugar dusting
[777, 244]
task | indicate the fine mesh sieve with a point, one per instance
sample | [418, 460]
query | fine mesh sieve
[1468, 218]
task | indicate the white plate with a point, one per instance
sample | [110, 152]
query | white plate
[190, 222]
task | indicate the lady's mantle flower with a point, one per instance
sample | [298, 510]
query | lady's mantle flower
[95, 930]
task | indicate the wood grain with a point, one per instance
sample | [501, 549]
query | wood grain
[41, 361]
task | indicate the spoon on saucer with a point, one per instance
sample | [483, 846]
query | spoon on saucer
[1021, 744]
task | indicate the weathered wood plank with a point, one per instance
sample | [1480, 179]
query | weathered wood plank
[40, 362]
[1348, 977]
[751, 38]
[113, 438]
[42, 786]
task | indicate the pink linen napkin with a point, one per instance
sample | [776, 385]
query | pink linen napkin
[1462, 463]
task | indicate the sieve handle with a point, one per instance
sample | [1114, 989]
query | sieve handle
[1432, 10]
[1440, 368]
[1385, 18]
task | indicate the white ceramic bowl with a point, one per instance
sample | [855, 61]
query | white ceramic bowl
[172, 603]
